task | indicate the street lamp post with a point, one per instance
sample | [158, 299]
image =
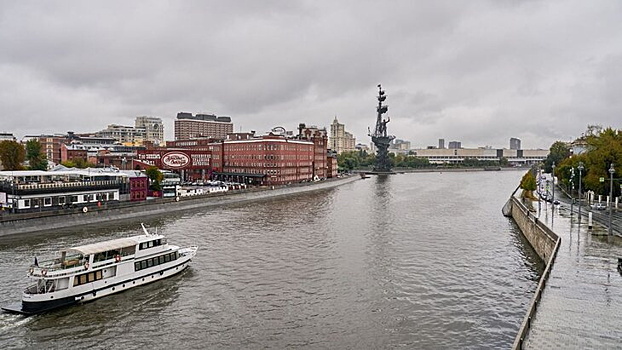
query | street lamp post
[580, 167]
[13, 194]
[553, 197]
[571, 189]
[611, 171]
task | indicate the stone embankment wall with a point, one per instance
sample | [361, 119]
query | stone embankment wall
[546, 243]
[46, 221]
[541, 238]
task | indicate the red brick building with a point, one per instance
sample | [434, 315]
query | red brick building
[333, 168]
[73, 152]
[139, 186]
[265, 160]
[319, 137]
[190, 164]
[199, 144]
[272, 159]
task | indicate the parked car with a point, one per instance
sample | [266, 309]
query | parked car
[599, 206]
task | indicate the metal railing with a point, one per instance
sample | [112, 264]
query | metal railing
[535, 300]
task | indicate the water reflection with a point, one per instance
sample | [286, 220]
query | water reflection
[411, 260]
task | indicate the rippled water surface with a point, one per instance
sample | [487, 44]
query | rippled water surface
[422, 260]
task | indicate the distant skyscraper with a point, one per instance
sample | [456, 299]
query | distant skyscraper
[514, 143]
[455, 144]
[340, 140]
[441, 143]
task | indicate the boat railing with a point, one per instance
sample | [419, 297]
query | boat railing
[46, 266]
[40, 288]
[31, 289]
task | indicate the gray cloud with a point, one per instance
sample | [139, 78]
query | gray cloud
[477, 71]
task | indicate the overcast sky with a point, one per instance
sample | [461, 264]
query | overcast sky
[478, 72]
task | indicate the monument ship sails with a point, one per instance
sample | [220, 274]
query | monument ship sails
[380, 138]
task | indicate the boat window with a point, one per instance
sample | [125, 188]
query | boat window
[128, 250]
[137, 266]
[82, 279]
[143, 264]
[98, 274]
[167, 258]
[149, 263]
[161, 258]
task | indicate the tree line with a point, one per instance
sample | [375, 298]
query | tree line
[362, 160]
[602, 148]
[13, 155]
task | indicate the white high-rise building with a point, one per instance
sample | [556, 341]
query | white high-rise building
[340, 140]
[148, 129]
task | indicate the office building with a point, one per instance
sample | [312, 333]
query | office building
[455, 144]
[340, 140]
[188, 126]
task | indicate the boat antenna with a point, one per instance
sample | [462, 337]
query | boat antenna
[144, 229]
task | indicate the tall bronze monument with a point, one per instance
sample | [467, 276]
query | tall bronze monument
[380, 138]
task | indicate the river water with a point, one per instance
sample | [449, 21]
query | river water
[421, 260]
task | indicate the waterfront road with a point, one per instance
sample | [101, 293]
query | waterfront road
[581, 306]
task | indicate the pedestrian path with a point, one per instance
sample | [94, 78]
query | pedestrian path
[581, 307]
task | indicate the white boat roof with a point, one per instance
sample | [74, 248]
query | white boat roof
[107, 245]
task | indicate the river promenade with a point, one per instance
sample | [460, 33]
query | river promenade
[50, 220]
[581, 304]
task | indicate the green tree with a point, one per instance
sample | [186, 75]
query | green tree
[12, 155]
[557, 153]
[79, 163]
[528, 185]
[35, 156]
[155, 177]
[604, 146]
[604, 149]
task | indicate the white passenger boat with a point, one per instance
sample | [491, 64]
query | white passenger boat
[88, 272]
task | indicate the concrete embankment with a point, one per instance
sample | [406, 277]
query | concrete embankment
[60, 219]
[546, 244]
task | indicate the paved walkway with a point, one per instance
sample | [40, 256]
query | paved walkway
[581, 307]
